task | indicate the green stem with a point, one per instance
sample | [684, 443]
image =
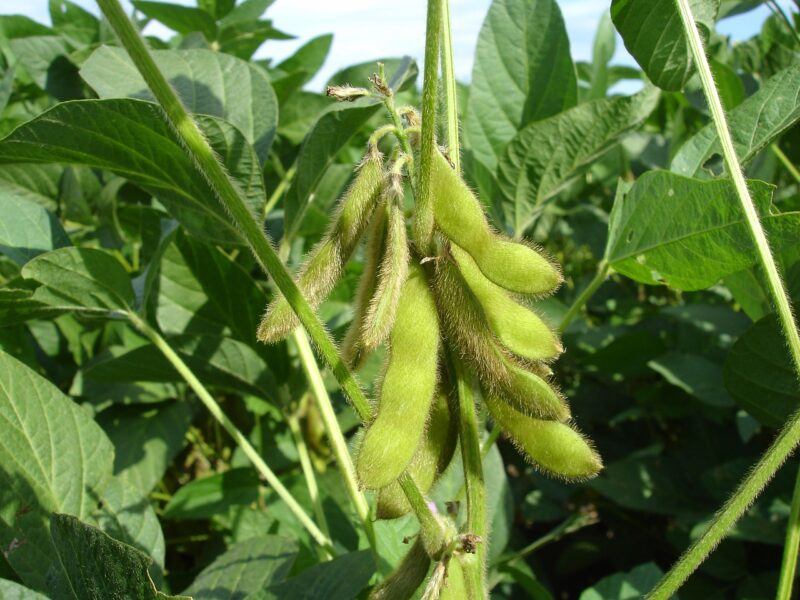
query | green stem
[450, 89]
[790, 546]
[786, 162]
[490, 440]
[570, 525]
[216, 411]
[335, 436]
[309, 476]
[279, 189]
[789, 436]
[423, 211]
[603, 270]
[474, 566]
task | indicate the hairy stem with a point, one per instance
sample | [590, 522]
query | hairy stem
[599, 278]
[450, 89]
[789, 436]
[790, 546]
[793, 171]
[336, 438]
[216, 411]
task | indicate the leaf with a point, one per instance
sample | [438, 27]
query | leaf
[754, 124]
[53, 458]
[27, 229]
[146, 440]
[76, 24]
[243, 38]
[522, 73]
[342, 578]
[541, 160]
[131, 138]
[209, 83]
[45, 59]
[688, 233]
[625, 586]
[308, 59]
[32, 182]
[183, 19]
[10, 590]
[695, 375]
[248, 10]
[94, 566]
[6, 87]
[214, 494]
[81, 278]
[246, 568]
[760, 376]
[653, 33]
[328, 136]
[605, 44]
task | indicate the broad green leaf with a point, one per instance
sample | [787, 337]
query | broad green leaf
[605, 44]
[632, 585]
[17, 305]
[53, 458]
[131, 138]
[695, 375]
[522, 73]
[183, 19]
[209, 83]
[6, 87]
[94, 566]
[246, 568]
[10, 590]
[218, 361]
[360, 73]
[146, 439]
[308, 59]
[214, 494]
[83, 278]
[653, 33]
[27, 229]
[33, 182]
[328, 136]
[543, 158]
[760, 376]
[76, 24]
[246, 11]
[343, 578]
[243, 38]
[218, 8]
[45, 59]
[754, 124]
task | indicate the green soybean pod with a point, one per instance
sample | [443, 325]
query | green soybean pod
[407, 576]
[454, 587]
[407, 389]
[518, 328]
[431, 458]
[459, 215]
[555, 448]
[327, 259]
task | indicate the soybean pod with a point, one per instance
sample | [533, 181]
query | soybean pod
[407, 577]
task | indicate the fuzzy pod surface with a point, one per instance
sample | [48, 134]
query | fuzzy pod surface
[460, 216]
[326, 261]
[555, 448]
[407, 576]
[518, 328]
[454, 586]
[431, 458]
[407, 389]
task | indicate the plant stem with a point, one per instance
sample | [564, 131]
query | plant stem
[474, 567]
[789, 436]
[279, 189]
[450, 89]
[603, 270]
[786, 162]
[423, 211]
[490, 440]
[790, 546]
[216, 411]
[569, 525]
[335, 436]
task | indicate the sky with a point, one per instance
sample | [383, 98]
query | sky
[367, 29]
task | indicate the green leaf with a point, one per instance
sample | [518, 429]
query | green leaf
[45, 58]
[183, 19]
[214, 494]
[209, 83]
[246, 568]
[27, 229]
[248, 10]
[32, 182]
[605, 44]
[14, 591]
[244, 37]
[53, 458]
[146, 440]
[94, 566]
[625, 586]
[688, 233]
[81, 278]
[76, 24]
[332, 131]
[308, 59]
[543, 158]
[653, 33]
[754, 124]
[6, 87]
[522, 73]
[131, 138]
[343, 578]
[760, 376]
[695, 375]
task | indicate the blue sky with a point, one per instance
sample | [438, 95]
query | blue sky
[367, 29]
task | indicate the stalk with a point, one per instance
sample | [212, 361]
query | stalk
[790, 546]
[216, 411]
[207, 163]
[603, 270]
[793, 171]
[789, 436]
[450, 89]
